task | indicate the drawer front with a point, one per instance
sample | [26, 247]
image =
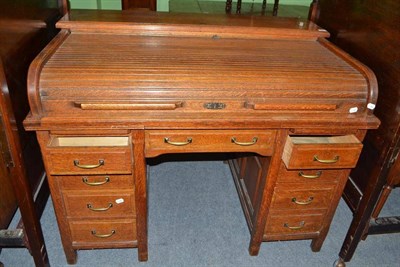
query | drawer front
[171, 141]
[89, 161]
[95, 182]
[294, 224]
[308, 176]
[102, 233]
[321, 152]
[84, 204]
[300, 197]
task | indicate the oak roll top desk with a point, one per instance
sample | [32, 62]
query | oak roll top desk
[113, 89]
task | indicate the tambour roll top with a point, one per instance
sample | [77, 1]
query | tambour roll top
[155, 69]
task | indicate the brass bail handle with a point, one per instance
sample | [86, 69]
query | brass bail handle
[89, 206]
[326, 161]
[301, 225]
[104, 235]
[253, 142]
[90, 166]
[310, 176]
[86, 181]
[305, 202]
[188, 141]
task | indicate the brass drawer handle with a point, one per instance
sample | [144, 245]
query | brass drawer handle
[103, 236]
[301, 225]
[255, 139]
[89, 206]
[86, 181]
[305, 202]
[326, 161]
[94, 166]
[188, 141]
[311, 176]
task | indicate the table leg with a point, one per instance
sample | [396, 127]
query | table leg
[140, 177]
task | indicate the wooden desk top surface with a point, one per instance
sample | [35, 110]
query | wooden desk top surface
[160, 23]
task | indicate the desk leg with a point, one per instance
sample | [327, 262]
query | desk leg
[70, 255]
[139, 172]
[43, 138]
[264, 194]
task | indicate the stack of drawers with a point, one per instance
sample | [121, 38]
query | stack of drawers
[92, 183]
[309, 184]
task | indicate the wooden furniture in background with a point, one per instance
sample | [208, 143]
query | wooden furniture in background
[139, 4]
[369, 30]
[291, 114]
[228, 7]
[23, 33]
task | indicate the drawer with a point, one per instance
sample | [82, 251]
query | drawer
[187, 141]
[89, 155]
[94, 182]
[300, 197]
[318, 152]
[83, 204]
[294, 224]
[103, 233]
[313, 176]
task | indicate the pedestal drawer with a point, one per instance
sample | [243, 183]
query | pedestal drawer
[89, 155]
[300, 197]
[330, 152]
[95, 182]
[103, 233]
[308, 176]
[90, 161]
[173, 141]
[291, 224]
[83, 204]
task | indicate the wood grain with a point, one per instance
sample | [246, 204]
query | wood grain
[194, 84]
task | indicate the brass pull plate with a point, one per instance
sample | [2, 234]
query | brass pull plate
[94, 166]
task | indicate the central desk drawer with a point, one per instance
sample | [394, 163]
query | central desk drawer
[89, 155]
[187, 141]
